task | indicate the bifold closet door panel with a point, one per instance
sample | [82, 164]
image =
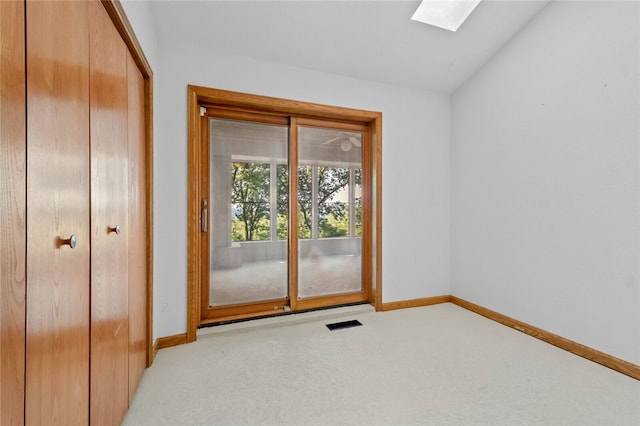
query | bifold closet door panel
[58, 243]
[109, 221]
[137, 228]
[12, 212]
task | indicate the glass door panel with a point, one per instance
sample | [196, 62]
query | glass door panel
[329, 212]
[249, 212]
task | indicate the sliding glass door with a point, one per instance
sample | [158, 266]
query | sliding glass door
[329, 212]
[264, 253]
[248, 193]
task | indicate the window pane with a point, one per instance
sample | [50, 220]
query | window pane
[250, 187]
[283, 201]
[358, 202]
[328, 252]
[248, 191]
[333, 202]
[305, 202]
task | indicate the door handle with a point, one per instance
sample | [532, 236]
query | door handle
[204, 216]
[71, 241]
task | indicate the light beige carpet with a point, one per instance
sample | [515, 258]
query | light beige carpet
[435, 365]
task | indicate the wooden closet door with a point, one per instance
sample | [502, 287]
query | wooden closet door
[12, 212]
[109, 221]
[138, 333]
[57, 337]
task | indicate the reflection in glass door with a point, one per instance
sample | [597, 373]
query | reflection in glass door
[329, 212]
[249, 212]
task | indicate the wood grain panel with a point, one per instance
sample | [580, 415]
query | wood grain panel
[244, 310]
[109, 204]
[169, 341]
[203, 242]
[414, 303]
[138, 334]
[376, 152]
[148, 125]
[122, 24]
[281, 106]
[292, 235]
[12, 212]
[194, 254]
[57, 351]
[115, 10]
[328, 301]
[367, 213]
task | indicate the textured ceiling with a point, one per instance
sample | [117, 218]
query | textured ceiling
[370, 40]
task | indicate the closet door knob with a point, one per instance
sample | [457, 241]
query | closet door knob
[115, 229]
[71, 241]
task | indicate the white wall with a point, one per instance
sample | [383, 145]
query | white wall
[415, 169]
[545, 168]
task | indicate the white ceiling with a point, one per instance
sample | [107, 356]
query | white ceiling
[370, 40]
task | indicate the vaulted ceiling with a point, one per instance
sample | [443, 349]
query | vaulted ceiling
[370, 40]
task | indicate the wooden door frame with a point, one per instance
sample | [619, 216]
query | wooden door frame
[123, 26]
[197, 96]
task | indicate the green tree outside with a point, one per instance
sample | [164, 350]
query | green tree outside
[250, 198]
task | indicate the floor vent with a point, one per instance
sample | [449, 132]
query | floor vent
[343, 324]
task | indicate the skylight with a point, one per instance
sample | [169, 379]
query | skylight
[447, 14]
